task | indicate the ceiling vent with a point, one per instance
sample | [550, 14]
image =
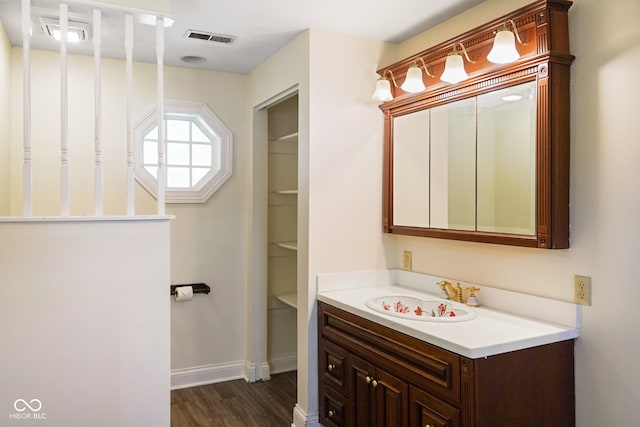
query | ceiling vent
[211, 37]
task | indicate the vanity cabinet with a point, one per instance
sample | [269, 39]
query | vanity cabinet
[371, 375]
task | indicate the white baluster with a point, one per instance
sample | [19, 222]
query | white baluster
[162, 169]
[128, 44]
[27, 190]
[97, 25]
[64, 114]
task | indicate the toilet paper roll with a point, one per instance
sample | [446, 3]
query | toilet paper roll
[183, 293]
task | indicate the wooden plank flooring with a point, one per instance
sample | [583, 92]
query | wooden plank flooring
[236, 403]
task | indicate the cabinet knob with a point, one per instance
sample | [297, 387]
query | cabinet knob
[331, 367]
[331, 413]
[371, 381]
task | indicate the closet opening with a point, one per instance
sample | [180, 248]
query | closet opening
[282, 246]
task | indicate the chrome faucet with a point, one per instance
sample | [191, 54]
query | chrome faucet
[454, 293]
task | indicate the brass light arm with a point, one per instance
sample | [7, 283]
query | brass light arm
[424, 67]
[464, 50]
[515, 30]
[393, 79]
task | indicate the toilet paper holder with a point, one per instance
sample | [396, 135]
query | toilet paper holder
[198, 288]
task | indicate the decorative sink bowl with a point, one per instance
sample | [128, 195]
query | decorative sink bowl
[416, 309]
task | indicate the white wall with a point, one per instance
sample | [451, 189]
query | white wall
[208, 241]
[340, 159]
[345, 170]
[86, 322]
[286, 71]
[605, 205]
[5, 105]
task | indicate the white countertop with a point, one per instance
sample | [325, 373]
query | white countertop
[490, 332]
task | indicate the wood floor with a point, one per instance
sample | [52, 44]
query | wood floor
[236, 403]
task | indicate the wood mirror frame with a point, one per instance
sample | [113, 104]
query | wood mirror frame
[545, 59]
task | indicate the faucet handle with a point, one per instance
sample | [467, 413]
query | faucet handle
[472, 300]
[472, 291]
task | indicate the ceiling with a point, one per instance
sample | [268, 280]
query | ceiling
[261, 27]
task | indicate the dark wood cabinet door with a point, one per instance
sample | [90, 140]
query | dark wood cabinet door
[360, 392]
[391, 394]
[429, 411]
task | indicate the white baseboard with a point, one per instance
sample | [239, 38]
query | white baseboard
[250, 372]
[265, 371]
[302, 419]
[208, 374]
[285, 363]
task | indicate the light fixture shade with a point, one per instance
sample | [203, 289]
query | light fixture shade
[413, 82]
[454, 69]
[504, 48]
[383, 90]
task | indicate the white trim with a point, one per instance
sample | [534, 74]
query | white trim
[249, 372]
[265, 371]
[282, 96]
[208, 374]
[13, 219]
[213, 180]
[284, 363]
[302, 419]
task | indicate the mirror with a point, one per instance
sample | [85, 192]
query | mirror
[485, 159]
[469, 164]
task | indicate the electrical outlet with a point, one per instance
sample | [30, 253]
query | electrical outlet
[406, 260]
[582, 290]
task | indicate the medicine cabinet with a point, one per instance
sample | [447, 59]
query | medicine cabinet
[485, 159]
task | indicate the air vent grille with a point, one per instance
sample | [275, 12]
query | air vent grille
[211, 37]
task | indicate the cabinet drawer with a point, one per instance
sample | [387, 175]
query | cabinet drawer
[332, 408]
[412, 360]
[332, 365]
[427, 410]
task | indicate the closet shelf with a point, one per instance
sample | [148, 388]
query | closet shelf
[287, 138]
[289, 299]
[293, 246]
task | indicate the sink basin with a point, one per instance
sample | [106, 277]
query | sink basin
[417, 309]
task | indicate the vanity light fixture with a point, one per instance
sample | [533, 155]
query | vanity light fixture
[504, 45]
[413, 81]
[76, 31]
[454, 71]
[383, 87]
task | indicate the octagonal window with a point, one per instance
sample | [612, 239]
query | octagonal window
[198, 152]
